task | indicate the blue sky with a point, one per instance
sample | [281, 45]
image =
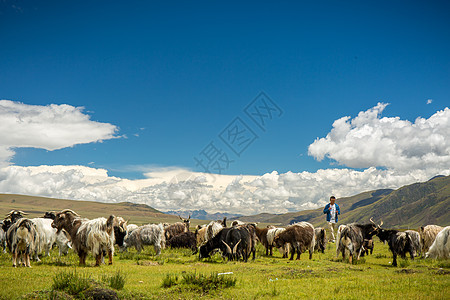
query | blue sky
[173, 75]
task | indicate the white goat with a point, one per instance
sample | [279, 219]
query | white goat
[152, 234]
[441, 245]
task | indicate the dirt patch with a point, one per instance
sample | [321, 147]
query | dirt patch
[147, 263]
[333, 270]
[296, 273]
[101, 294]
[407, 271]
[442, 272]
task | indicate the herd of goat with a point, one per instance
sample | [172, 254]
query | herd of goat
[27, 238]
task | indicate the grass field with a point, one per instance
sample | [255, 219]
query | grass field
[323, 277]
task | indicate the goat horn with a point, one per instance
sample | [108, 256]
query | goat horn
[228, 247]
[371, 221]
[380, 223]
[21, 212]
[70, 211]
[235, 247]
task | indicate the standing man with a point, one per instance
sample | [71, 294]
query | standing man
[332, 210]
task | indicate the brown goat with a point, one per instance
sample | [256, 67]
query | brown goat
[261, 233]
[300, 236]
[95, 235]
[177, 228]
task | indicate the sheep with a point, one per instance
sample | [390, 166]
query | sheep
[321, 239]
[22, 239]
[152, 234]
[427, 235]
[95, 235]
[300, 236]
[441, 245]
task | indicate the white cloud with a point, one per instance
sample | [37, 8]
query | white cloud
[429, 101]
[369, 140]
[48, 127]
[410, 152]
[272, 192]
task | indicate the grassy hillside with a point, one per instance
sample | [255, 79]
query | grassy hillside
[36, 206]
[410, 206]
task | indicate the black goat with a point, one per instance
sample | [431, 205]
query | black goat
[214, 243]
[399, 243]
[184, 240]
[367, 245]
[352, 239]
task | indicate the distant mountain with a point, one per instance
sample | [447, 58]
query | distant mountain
[202, 215]
[410, 206]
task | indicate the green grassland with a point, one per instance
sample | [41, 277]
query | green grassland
[323, 277]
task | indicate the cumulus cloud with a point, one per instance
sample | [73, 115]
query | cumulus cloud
[48, 127]
[369, 140]
[409, 152]
[272, 192]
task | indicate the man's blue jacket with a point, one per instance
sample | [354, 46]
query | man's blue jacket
[326, 211]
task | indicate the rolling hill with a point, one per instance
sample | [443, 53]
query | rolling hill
[36, 206]
[407, 207]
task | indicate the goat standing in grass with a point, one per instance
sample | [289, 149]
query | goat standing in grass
[441, 245]
[152, 234]
[399, 243]
[95, 235]
[22, 240]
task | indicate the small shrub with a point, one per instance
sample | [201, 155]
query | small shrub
[274, 291]
[207, 283]
[197, 281]
[361, 261]
[403, 263]
[170, 280]
[443, 264]
[71, 282]
[116, 281]
[126, 255]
